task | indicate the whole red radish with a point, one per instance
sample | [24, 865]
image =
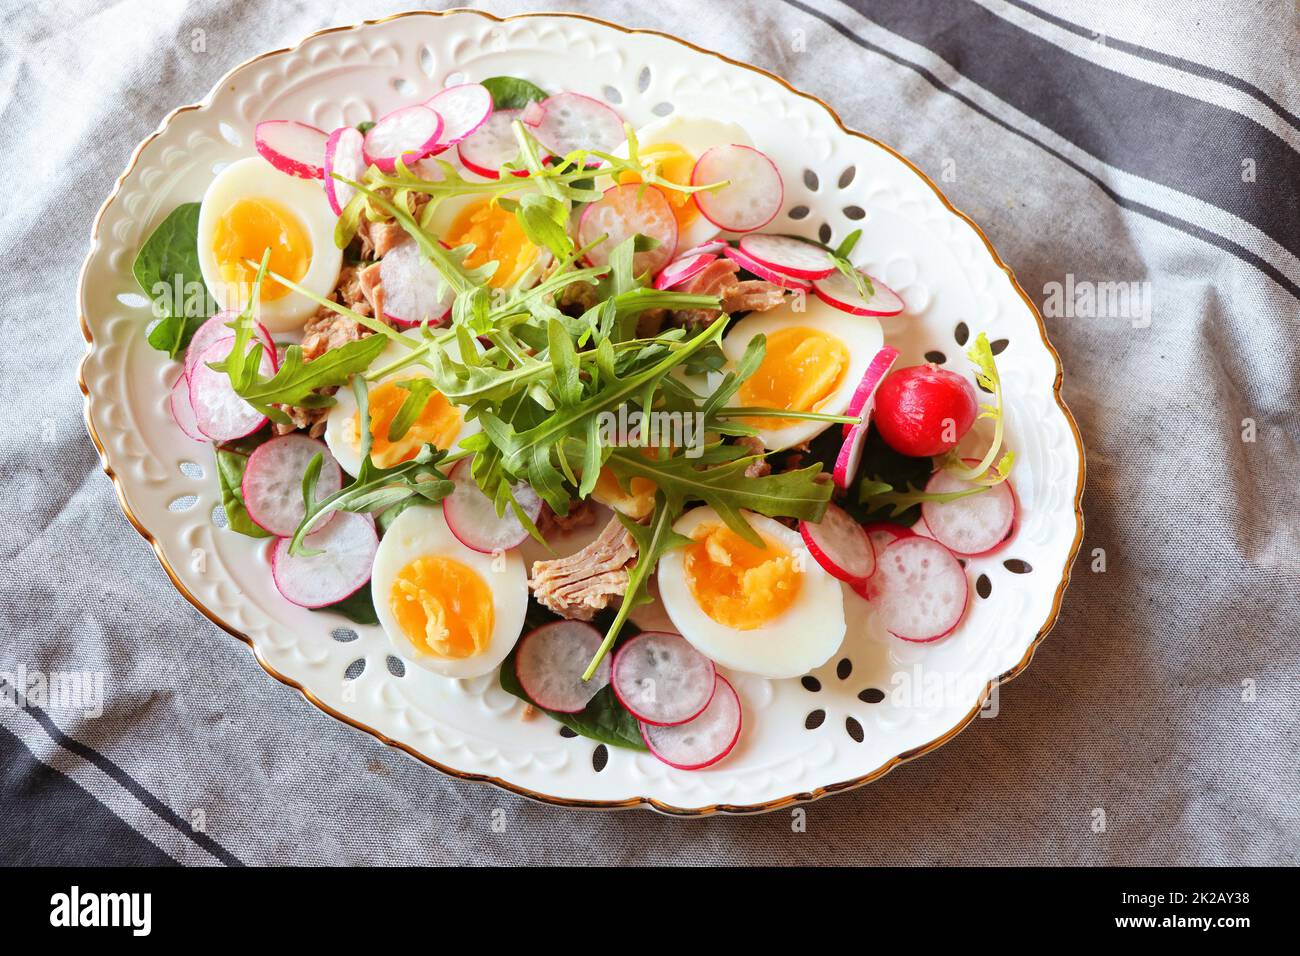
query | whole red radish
[924, 410]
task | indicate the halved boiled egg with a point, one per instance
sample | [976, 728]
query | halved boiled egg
[251, 207]
[496, 236]
[449, 609]
[814, 361]
[674, 144]
[770, 610]
[439, 422]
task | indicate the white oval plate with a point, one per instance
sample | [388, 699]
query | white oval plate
[802, 739]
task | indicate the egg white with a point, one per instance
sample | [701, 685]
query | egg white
[696, 135]
[337, 437]
[861, 335]
[801, 638]
[255, 178]
[422, 532]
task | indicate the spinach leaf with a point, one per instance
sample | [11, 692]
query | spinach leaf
[512, 93]
[604, 719]
[166, 267]
[879, 463]
[358, 608]
[232, 458]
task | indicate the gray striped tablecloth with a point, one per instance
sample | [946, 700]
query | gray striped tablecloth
[1135, 142]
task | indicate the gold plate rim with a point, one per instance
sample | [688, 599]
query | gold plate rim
[632, 802]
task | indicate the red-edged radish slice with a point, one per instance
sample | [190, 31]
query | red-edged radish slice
[919, 589]
[882, 535]
[533, 114]
[463, 109]
[219, 413]
[410, 133]
[701, 742]
[625, 211]
[789, 256]
[178, 403]
[345, 155]
[292, 147]
[840, 545]
[750, 264]
[272, 485]
[712, 247]
[492, 145]
[472, 517]
[683, 270]
[855, 440]
[346, 547]
[863, 400]
[661, 679]
[572, 121]
[218, 327]
[550, 661]
[413, 287]
[753, 194]
[971, 526]
[839, 291]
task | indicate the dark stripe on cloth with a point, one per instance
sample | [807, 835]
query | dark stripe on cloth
[1175, 140]
[1174, 222]
[1166, 59]
[129, 783]
[51, 821]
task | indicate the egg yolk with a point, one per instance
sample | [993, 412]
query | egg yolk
[737, 584]
[636, 501]
[496, 235]
[443, 607]
[246, 230]
[675, 165]
[801, 368]
[438, 423]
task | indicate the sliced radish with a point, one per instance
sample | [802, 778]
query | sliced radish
[840, 545]
[178, 402]
[218, 327]
[550, 661]
[219, 413]
[463, 109]
[701, 742]
[345, 155]
[272, 485]
[626, 211]
[753, 194]
[789, 256]
[683, 270]
[572, 121]
[969, 526]
[919, 589]
[882, 535]
[864, 395]
[532, 114]
[750, 264]
[713, 246]
[661, 679]
[839, 290]
[410, 133]
[413, 288]
[472, 516]
[492, 145]
[346, 549]
[291, 147]
[855, 440]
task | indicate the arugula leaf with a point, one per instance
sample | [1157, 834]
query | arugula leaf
[358, 607]
[880, 494]
[166, 265]
[297, 381]
[232, 458]
[418, 392]
[840, 259]
[512, 92]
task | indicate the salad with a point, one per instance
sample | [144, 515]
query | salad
[502, 321]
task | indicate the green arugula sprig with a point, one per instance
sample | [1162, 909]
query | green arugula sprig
[840, 258]
[986, 373]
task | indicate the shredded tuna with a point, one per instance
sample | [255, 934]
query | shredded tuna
[581, 515]
[578, 586]
[372, 287]
[754, 446]
[378, 238]
[719, 278]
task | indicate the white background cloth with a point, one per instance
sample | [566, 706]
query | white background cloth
[1164, 705]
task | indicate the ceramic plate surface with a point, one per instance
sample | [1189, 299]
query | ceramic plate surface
[877, 702]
